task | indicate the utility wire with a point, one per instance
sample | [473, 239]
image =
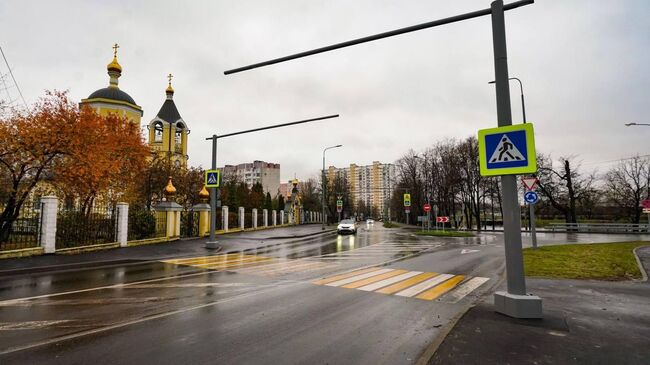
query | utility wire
[12, 76]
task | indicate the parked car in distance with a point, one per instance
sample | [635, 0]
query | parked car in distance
[347, 226]
[370, 221]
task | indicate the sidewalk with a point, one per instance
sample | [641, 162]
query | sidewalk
[133, 255]
[585, 322]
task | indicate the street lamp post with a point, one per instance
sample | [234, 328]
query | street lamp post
[324, 184]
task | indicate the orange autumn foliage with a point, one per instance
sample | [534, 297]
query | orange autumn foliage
[109, 155]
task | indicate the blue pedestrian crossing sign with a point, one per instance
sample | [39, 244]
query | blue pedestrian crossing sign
[212, 178]
[507, 150]
[531, 197]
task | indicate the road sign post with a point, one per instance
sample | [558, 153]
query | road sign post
[531, 198]
[407, 206]
[515, 302]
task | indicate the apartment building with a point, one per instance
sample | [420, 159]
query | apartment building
[371, 183]
[266, 173]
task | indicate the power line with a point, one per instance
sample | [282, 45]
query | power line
[12, 76]
[616, 160]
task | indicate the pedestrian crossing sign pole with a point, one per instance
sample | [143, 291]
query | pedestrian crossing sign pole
[508, 150]
[212, 178]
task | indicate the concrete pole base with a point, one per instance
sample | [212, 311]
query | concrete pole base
[518, 306]
[212, 245]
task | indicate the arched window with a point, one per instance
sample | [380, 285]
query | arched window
[179, 134]
[157, 132]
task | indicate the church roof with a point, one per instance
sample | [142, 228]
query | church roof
[112, 93]
[168, 112]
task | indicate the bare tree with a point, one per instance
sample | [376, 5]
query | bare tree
[627, 184]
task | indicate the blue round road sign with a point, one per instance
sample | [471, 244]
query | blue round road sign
[531, 197]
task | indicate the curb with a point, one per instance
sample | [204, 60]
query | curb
[644, 274]
[290, 237]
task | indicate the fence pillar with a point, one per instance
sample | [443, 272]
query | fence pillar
[265, 217]
[224, 218]
[242, 218]
[274, 217]
[122, 223]
[281, 217]
[48, 223]
[204, 218]
[254, 218]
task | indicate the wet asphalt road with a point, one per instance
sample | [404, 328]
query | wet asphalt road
[259, 301]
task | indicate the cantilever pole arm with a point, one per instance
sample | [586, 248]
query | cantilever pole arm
[413, 28]
[272, 127]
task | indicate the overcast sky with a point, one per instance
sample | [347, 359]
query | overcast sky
[584, 65]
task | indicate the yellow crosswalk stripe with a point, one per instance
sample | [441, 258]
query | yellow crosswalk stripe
[441, 289]
[406, 283]
[373, 279]
[344, 276]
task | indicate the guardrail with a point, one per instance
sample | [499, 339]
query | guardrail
[599, 227]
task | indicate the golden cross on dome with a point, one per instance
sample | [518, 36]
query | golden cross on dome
[170, 77]
[115, 47]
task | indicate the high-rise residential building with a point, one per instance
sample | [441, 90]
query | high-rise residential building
[266, 173]
[372, 184]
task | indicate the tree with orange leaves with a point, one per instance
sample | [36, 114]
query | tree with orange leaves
[79, 151]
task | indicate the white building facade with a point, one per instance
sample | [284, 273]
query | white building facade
[266, 173]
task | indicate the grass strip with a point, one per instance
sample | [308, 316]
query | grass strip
[444, 233]
[599, 261]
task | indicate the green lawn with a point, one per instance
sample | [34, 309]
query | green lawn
[444, 233]
[600, 261]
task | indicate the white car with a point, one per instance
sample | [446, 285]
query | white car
[347, 226]
[370, 221]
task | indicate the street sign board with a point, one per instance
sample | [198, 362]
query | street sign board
[531, 197]
[508, 150]
[645, 203]
[212, 178]
[339, 209]
[646, 210]
[435, 209]
[407, 200]
[339, 203]
[442, 219]
[407, 210]
[530, 182]
[422, 218]
[427, 208]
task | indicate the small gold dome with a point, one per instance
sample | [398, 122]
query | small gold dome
[204, 195]
[295, 182]
[170, 89]
[114, 66]
[170, 190]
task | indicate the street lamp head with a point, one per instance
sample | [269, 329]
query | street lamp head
[629, 124]
[339, 145]
[492, 82]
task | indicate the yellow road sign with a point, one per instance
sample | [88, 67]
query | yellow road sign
[407, 200]
[507, 150]
[212, 178]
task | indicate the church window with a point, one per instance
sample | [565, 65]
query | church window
[179, 133]
[158, 132]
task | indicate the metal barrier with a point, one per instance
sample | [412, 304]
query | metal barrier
[24, 231]
[599, 227]
[76, 228]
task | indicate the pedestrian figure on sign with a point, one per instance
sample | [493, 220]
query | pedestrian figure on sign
[506, 146]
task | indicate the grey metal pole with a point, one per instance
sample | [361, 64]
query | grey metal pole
[212, 243]
[323, 194]
[533, 234]
[516, 282]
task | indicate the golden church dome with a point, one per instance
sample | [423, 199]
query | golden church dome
[204, 195]
[170, 190]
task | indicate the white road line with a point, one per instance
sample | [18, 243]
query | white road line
[30, 325]
[466, 288]
[424, 285]
[139, 320]
[359, 277]
[386, 282]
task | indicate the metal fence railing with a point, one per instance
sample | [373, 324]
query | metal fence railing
[145, 224]
[24, 231]
[189, 223]
[76, 228]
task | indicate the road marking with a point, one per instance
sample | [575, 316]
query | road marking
[30, 325]
[376, 278]
[464, 251]
[406, 283]
[343, 276]
[414, 290]
[136, 321]
[389, 281]
[441, 289]
[358, 277]
[466, 288]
